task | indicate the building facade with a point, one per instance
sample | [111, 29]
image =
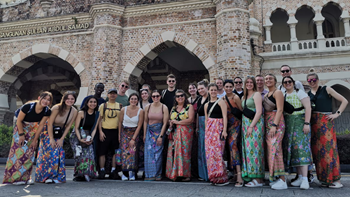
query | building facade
[72, 45]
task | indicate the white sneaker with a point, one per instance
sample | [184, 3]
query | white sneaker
[30, 182]
[273, 182]
[19, 183]
[48, 181]
[280, 184]
[131, 176]
[297, 182]
[87, 178]
[304, 184]
[124, 178]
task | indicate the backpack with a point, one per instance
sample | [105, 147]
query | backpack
[30, 109]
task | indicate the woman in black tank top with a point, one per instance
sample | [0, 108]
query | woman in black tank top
[81, 141]
[215, 136]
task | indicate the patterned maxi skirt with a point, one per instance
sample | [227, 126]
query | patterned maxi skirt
[19, 164]
[325, 149]
[297, 149]
[202, 160]
[129, 155]
[274, 146]
[85, 163]
[233, 132]
[153, 153]
[253, 150]
[179, 153]
[50, 162]
[214, 149]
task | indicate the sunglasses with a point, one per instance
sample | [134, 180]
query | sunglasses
[312, 80]
[238, 82]
[178, 96]
[285, 71]
[155, 96]
[228, 81]
[288, 82]
[71, 92]
[125, 86]
[171, 81]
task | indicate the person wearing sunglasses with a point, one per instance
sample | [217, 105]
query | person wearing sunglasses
[122, 98]
[286, 71]
[180, 146]
[233, 102]
[200, 129]
[168, 95]
[273, 104]
[215, 136]
[154, 125]
[323, 135]
[238, 84]
[297, 147]
[253, 165]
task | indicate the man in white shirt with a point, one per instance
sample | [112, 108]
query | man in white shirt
[287, 71]
[220, 83]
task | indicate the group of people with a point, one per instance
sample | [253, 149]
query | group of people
[169, 134]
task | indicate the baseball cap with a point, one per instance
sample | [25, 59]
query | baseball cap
[112, 90]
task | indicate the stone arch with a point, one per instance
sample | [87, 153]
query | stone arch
[306, 28]
[159, 43]
[338, 82]
[332, 24]
[9, 74]
[279, 19]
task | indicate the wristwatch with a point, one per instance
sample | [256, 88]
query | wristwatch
[338, 112]
[274, 125]
[161, 136]
[21, 134]
[306, 123]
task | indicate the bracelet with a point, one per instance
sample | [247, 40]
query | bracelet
[133, 139]
[274, 125]
[160, 136]
[21, 134]
[306, 123]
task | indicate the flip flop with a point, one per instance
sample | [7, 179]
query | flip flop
[254, 183]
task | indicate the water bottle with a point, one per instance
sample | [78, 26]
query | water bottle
[82, 133]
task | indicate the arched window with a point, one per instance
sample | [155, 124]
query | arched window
[332, 25]
[280, 31]
[306, 28]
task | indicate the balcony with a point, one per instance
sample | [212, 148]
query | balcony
[316, 45]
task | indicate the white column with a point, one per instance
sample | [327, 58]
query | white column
[347, 27]
[293, 33]
[346, 18]
[319, 21]
[268, 35]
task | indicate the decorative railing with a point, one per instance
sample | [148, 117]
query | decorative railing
[311, 45]
[335, 42]
[282, 46]
[307, 44]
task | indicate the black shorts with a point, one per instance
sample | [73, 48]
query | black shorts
[110, 143]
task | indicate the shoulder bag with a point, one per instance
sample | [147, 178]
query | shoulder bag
[58, 131]
[248, 112]
[289, 108]
[234, 110]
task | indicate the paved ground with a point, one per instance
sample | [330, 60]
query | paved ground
[161, 188]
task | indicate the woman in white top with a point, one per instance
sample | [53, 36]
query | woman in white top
[130, 123]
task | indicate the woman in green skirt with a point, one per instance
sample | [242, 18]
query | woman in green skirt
[297, 149]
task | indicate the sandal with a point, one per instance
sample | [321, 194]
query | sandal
[336, 185]
[158, 178]
[254, 183]
[240, 184]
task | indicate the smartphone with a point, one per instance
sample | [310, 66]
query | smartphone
[25, 142]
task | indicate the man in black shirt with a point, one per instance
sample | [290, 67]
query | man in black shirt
[99, 88]
[168, 95]
[238, 87]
